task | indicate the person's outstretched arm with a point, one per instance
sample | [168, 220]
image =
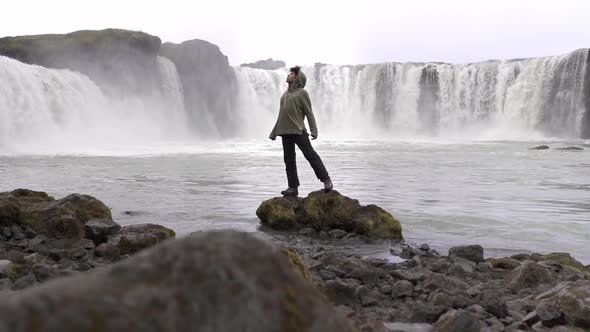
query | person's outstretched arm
[306, 104]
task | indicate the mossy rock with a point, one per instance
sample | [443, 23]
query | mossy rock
[85, 207]
[296, 262]
[504, 263]
[10, 210]
[279, 212]
[375, 222]
[54, 222]
[562, 258]
[64, 218]
[327, 211]
[134, 238]
[42, 49]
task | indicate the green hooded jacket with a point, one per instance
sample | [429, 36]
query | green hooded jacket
[295, 106]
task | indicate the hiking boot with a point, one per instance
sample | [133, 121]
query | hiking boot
[328, 185]
[290, 192]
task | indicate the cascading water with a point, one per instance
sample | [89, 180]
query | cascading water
[493, 100]
[44, 110]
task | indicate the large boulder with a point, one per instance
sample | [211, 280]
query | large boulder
[571, 305]
[327, 211]
[60, 219]
[214, 281]
[529, 275]
[131, 239]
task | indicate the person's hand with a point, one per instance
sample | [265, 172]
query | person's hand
[314, 137]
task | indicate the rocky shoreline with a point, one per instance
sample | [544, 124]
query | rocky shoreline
[320, 238]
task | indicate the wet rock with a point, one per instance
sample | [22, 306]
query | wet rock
[494, 302]
[540, 147]
[561, 258]
[414, 274]
[424, 312]
[493, 325]
[4, 263]
[529, 274]
[216, 268]
[366, 296]
[424, 247]
[342, 291]
[402, 288]
[98, 230]
[531, 318]
[337, 233]
[308, 231]
[408, 327]
[134, 238]
[473, 253]
[108, 251]
[451, 285]
[571, 305]
[504, 263]
[457, 320]
[24, 282]
[279, 212]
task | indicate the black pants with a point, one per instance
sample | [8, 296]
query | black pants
[304, 145]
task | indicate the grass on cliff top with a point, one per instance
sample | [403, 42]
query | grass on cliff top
[22, 47]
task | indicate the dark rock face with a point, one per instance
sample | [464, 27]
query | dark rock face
[205, 282]
[209, 85]
[98, 230]
[473, 253]
[119, 61]
[326, 212]
[268, 64]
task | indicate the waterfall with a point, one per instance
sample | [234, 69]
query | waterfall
[44, 110]
[492, 100]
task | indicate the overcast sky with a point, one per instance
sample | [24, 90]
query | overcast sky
[343, 32]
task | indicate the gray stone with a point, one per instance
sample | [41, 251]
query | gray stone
[108, 251]
[540, 147]
[473, 253]
[402, 288]
[366, 296]
[493, 325]
[337, 233]
[3, 265]
[493, 300]
[571, 305]
[450, 284]
[183, 281]
[531, 318]
[327, 275]
[529, 274]
[424, 247]
[6, 232]
[385, 289]
[407, 327]
[342, 291]
[23, 282]
[308, 231]
[98, 230]
[414, 274]
[457, 320]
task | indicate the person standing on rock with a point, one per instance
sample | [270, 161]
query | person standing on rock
[295, 106]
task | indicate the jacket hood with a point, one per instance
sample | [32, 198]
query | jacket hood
[300, 81]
